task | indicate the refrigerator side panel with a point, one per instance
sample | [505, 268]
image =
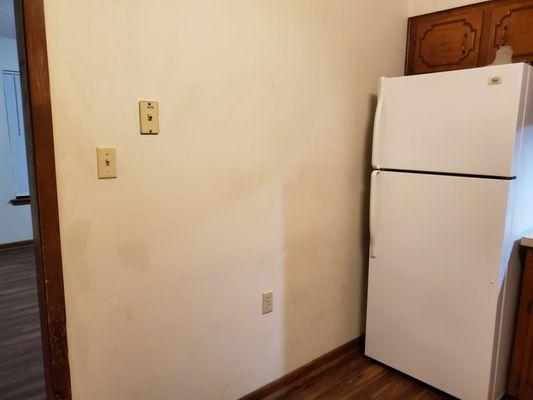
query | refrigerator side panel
[506, 320]
[523, 210]
[458, 122]
[521, 217]
[434, 280]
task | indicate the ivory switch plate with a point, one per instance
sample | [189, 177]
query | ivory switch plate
[107, 162]
[149, 117]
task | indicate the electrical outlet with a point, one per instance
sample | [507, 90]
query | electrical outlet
[268, 304]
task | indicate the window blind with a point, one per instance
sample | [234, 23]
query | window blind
[15, 122]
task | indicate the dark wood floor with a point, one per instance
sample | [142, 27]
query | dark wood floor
[353, 377]
[21, 366]
[356, 377]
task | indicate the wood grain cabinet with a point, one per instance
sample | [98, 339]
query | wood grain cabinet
[521, 376]
[469, 36]
[446, 41]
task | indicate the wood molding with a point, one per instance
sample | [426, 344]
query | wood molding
[33, 60]
[299, 376]
[16, 245]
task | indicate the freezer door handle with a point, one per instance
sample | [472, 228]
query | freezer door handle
[372, 219]
[377, 125]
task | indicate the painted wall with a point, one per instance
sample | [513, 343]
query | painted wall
[15, 222]
[257, 181]
[418, 7]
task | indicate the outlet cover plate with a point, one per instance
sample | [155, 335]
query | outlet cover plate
[267, 302]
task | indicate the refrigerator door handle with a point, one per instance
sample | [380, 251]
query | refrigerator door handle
[372, 219]
[377, 125]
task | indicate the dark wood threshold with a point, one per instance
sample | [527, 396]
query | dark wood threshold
[20, 200]
[16, 245]
[297, 377]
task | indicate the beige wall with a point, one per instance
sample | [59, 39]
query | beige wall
[257, 181]
[418, 7]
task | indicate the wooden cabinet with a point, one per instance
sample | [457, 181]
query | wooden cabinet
[446, 41]
[512, 24]
[521, 376]
[469, 36]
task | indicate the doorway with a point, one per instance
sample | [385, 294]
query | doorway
[36, 260]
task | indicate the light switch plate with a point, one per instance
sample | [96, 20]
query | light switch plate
[107, 162]
[149, 117]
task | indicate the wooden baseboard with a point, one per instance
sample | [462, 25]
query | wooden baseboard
[16, 245]
[299, 376]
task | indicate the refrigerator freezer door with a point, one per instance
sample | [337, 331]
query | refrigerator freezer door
[466, 121]
[434, 279]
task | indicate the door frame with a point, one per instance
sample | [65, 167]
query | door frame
[35, 83]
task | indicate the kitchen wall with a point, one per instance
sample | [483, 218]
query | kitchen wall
[418, 7]
[258, 181]
[15, 221]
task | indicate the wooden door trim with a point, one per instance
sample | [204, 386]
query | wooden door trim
[33, 60]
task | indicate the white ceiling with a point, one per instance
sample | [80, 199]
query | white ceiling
[7, 19]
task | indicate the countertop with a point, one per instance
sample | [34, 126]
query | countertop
[527, 241]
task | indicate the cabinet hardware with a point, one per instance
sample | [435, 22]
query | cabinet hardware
[503, 36]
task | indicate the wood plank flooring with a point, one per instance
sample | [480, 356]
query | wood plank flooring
[352, 377]
[356, 377]
[21, 365]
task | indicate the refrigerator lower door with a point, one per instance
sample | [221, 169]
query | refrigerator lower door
[466, 121]
[434, 278]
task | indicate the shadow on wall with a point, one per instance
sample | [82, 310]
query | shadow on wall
[316, 260]
[365, 207]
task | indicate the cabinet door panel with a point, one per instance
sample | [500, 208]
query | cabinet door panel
[525, 390]
[521, 376]
[511, 24]
[446, 42]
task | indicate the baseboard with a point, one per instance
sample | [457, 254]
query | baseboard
[16, 245]
[306, 372]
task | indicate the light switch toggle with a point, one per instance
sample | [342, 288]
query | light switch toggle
[107, 162]
[149, 117]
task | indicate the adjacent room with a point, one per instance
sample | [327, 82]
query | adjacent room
[266, 199]
[21, 361]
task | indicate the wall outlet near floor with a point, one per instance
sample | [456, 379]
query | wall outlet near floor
[267, 304]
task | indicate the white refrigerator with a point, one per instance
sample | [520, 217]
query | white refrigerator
[451, 193]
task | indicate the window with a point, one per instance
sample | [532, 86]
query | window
[15, 122]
